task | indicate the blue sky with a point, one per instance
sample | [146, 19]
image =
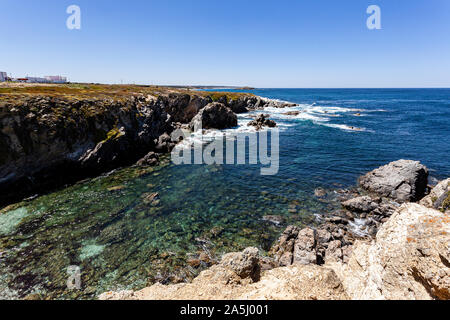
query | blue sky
[283, 43]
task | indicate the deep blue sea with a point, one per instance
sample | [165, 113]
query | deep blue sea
[120, 241]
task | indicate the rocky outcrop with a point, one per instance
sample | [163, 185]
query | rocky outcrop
[439, 197]
[360, 204]
[403, 180]
[312, 246]
[262, 121]
[46, 142]
[150, 159]
[409, 258]
[235, 279]
[214, 116]
[184, 107]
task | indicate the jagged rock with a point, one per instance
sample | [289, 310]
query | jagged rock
[239, 105]
[151, 159]
[184, 107]
[403, 180]
[67, 140]
[334, 251]
[245, 264]
[360, 204]
[305, 247]
[296, 282]
[408, 260]
[164, 143]
[262, 121]
[439, 198]
[214, 116]
[283, 251]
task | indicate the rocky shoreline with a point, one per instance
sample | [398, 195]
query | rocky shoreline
[405, 255]
[52, 136]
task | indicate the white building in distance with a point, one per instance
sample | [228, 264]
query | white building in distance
[56, 79]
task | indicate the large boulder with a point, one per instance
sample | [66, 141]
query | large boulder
[408, 260]
[403, 180]
[214, 116]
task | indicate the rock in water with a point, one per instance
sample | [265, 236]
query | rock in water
[360, 204]
[262, 121]
[214, 116]
[403, 180]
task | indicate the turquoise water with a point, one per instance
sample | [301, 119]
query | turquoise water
[121, 240]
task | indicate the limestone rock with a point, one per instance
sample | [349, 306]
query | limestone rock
[245, 264]
[403, 180]
[305, 247]
[408, 260]
[296, 282]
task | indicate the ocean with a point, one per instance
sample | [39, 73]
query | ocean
[105, 227]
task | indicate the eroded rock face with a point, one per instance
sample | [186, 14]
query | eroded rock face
[214, 116]
[225, 281]
[52, 141]
[403, 180]
[408, 260]
[184, 107]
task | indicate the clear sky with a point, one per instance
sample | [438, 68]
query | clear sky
[283, 43]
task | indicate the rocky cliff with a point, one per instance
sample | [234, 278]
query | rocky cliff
[52, 135]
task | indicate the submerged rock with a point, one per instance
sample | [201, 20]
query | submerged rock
[276, 220]
[403, 180]
[214, 116]
[151, 198]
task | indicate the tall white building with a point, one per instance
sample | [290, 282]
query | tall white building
[3, 76]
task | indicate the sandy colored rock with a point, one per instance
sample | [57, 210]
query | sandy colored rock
[296, 282]
[408, 260]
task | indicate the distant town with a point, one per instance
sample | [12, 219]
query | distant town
[47, 79]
